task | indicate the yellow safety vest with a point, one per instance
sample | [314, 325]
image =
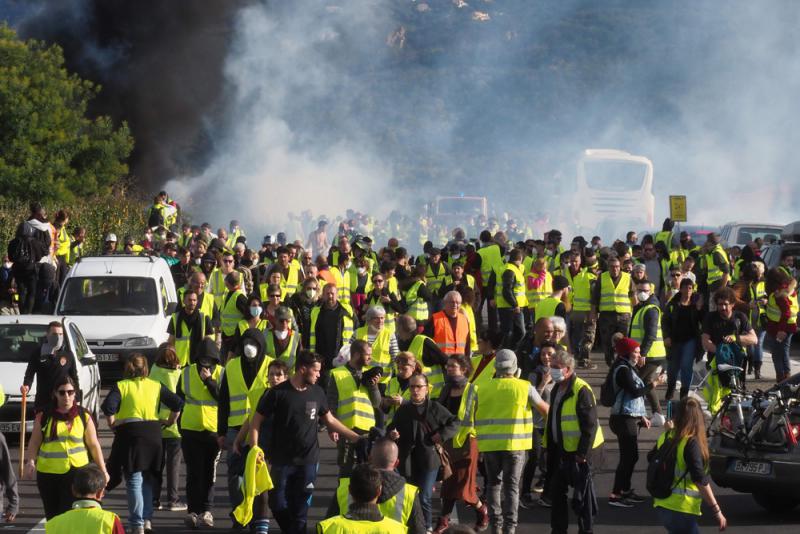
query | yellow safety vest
[67, 450]
[657, 348]
[216, 286]
[140, 400]
[168, 378]
[342, 282]
[347, 326]
[62, 249]
[714, 273]
[504, 420]
[230, 313]
[519, 288]
[354, 410]
[244, 400]
[82, 519]
[757, 292]
[581, 294]
[547, 307]
[289, 353]
[491, 260]
[685, 496]
[380, 351]
[473, 330]
[398, 507]
[183, 337]
[342, 525]
[774, 311]
[536, 295]
[664, 236]
[435, 281]
[262, 326]
[290, 282]
[465, 416]
[205, 302]
[434, 373]
[390, 315]
[417, 307]
[200, 408]
[486, 374]
[714, 391]
[393, 388]
[615, 299]
[570, 429]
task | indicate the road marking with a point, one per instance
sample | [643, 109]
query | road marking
[39, 527]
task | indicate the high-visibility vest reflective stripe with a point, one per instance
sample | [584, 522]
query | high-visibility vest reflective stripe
[473, 329]
[486, 374]
[434, 281]
[74, 252]
[519, 288]
[397, 507]
[491, 260]
[547, 307]
[168, 378]
[504, 420]
[262, 325]
[290, 282]
[714, 273]
[62, 249]
[243, 400]
[657, 348]
[200, 408]
[140, 398]
[216, 286]
[289, 353]
[393, 388]
[468, 277]
[570, 429]
[615, 299]
[380, 351]
[417, 307]
[67, 450]
[183, 337]
[757, 292]
[465, 416]
[342, 282]
[538, 294]
[581, 294]
[347, 326]
[685, 496]
[434, 373]
[774, 311]
[448, 340]
[355, 410]
[343, 525]
[230, 313]
[77, 520]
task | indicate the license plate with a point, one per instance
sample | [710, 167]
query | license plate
[107, 357]
[752, 468]
[9, 427]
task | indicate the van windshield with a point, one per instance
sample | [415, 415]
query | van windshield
[19, 341]
[112, 295]
[609, 175]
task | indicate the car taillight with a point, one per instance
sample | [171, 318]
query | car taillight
[792, 432]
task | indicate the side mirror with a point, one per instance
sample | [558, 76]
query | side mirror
[171, 307]
[88, 360]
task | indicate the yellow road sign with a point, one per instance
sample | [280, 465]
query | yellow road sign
[677, 208]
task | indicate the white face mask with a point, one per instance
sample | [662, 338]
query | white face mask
[8, 265]
[281, 334]
[250, 351]
[456, 256]
[642, 296]
[362, 270]
[311, 293]
[556, 374]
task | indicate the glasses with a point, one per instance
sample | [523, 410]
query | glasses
[287, 321]
[274, 296]
[227, 261]
[66, 392]
[675, 275]
[378, 280]
[417, 386]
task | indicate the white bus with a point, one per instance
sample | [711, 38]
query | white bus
[614, 192]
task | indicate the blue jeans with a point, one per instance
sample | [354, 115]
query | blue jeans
[681, 362]
[756, 352]
[425, 481]
[512, 326]
[678, 522]
[780, 355]
[290, 498]
[140, 499]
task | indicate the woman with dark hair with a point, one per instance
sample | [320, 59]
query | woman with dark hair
[458, 397]
[61, 436]
[132, 411]
[255, 317]
[397, 392]
[680, 325]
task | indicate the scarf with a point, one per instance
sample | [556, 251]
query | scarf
[67, 417]
[456, 381]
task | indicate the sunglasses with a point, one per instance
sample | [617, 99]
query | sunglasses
[675, 275]
[66, 392]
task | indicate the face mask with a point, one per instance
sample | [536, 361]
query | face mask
[556, 374]
[311, 293]
[250, 351]
[281, 334]
[347, 265]
[8, 265]
[55, 340]
[197, 261]
[362, 270]
[456, 256]
[255, 311]
[642, 296]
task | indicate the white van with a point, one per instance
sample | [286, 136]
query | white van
[122, 304]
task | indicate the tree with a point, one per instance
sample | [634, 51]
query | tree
[49, 148]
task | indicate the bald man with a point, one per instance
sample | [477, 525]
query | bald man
[398, 500]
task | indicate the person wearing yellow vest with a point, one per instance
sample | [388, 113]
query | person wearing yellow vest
[503, 421]
[397, 391]
[781, 325]
[291, 274]
[691, 484]
[458, 396]
[167, 371]
[756, 298]
[62, 244]
[86, 516]
[611, 305]
[436, 271]
[456, 278]
[282, 341]
[187, 328]
[581, 327]
[205, 300]
[199, 386]
[382, 341]
[483, 363]
[354, 398]
[233, 309]
[417, 297]
[717, 267]
[667, 236]
[538, 286]
[398, 500]
[490, 261]
[557, 303]
[331, 325]
[364, 515]
[646, 331]
[383, 296]
[423, 347]
[61, 437]
[468, 302]
[216, 280]
[132, 411]
[511, 299]
[243, 383]
[573, 436]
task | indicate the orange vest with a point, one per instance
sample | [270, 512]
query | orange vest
[450, 342]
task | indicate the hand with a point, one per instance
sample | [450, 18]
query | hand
[221, 443]
[580, 459]
[29, 473]
[385, 299]
[24, 389]
[205, 373]
[491, 303]
[395, 400]
[334, 436]
[516, 309]
[394, 435]
[721, 521]
[374, 381]
[667, 342]
[108, 477]
[236, 449]
[780, 337]
[642, 361]
[645, 422]
[729, 339]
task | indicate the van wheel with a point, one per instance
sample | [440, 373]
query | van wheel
[775, 503]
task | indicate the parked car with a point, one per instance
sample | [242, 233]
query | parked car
[771, 254]
[20, 337]
[123, 305]
[740, 234]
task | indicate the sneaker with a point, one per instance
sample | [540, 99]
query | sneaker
[177, 506]
[190, 520]
[588, 364]
[148, 527]
[633, 497]
[157, 505]
[657, 420]
[205, 520]
[620, 502]
[539, 486]
[526, 501]
[544, 502]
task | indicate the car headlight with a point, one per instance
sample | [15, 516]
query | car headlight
[139, 342]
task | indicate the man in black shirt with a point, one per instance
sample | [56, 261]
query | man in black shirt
[297, 407]
[189, 323]
[49, 362]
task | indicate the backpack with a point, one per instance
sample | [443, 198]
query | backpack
[608, 390]
[21, 248]
[661, 469]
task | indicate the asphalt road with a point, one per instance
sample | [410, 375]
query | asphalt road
[742, 512]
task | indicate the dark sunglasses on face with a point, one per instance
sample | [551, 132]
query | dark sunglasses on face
[66, 392]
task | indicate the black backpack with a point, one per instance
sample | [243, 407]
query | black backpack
[21, 249]
[608, 390]
[661, 469]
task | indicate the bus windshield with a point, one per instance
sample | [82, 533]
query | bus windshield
[610, 175]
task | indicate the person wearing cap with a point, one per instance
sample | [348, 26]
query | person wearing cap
[503, 421]
[283, 339]
[628, 415]
[573, 437]
[110, 245]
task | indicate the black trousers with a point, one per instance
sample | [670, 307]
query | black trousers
[171, 461]
[201, 454]
[535, 457]
[56, 492]
[559, 470]
[627, 431]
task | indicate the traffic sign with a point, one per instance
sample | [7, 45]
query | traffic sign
[677, 208]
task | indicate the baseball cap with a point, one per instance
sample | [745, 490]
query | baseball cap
[505, 361]
[111, 238]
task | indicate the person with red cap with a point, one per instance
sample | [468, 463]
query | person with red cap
[627, 414]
